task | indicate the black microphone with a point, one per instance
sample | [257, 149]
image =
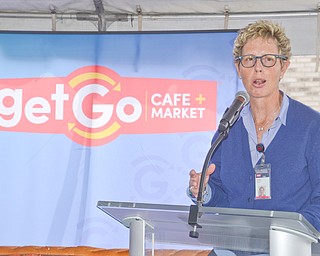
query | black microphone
[228, 119]
[232, 113]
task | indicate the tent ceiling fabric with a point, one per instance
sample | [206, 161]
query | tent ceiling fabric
[300, 18]
[161, 7]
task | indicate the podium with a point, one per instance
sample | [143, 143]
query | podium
[260, 231]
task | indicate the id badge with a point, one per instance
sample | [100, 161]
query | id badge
[262, 181]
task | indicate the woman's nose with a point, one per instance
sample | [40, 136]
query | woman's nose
[258, 66]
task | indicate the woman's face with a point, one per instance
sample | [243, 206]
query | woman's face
[261, 81]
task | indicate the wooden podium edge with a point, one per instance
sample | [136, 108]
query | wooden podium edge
[87, 251]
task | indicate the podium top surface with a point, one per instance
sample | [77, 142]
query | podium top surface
[225, 228]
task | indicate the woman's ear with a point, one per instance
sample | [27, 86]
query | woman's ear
[236, 63]
[285, 65]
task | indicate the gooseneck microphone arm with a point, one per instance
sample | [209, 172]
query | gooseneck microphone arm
[229, 118]
[194, 209]
[215, 144]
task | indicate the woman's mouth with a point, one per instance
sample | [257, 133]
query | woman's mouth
[259, 82]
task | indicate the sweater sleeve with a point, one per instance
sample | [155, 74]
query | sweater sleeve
[311, 210]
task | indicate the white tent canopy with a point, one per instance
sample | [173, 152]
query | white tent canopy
[300, 18]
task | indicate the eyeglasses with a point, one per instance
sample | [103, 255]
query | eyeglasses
[267, 60]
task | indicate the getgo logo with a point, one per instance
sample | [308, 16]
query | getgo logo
[94, 105]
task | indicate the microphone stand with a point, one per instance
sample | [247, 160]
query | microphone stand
[194, 209]
[228, 119]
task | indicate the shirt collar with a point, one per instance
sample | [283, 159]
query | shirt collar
[246, 112]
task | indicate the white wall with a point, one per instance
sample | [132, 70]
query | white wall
[302, 81]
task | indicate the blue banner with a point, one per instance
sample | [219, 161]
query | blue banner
[91, 117]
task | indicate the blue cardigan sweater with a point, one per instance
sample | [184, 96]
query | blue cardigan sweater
[294, 155]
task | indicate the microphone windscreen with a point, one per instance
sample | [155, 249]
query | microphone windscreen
[244, 95]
